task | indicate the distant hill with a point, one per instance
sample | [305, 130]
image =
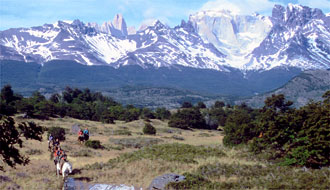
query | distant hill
[301, 89]
[56, 75]
[154, 97]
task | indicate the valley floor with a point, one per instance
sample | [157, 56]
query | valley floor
[127, 158]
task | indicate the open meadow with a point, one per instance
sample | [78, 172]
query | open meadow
[129, 157]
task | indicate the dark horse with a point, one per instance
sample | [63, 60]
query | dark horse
[83, 138]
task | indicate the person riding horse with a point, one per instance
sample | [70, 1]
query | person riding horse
[50, 141]
[80, 136]
[86, 134]
[60, 156]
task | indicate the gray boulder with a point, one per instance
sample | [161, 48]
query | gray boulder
[75, 129]
[161, 181]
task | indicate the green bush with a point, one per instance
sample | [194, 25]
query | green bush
[291, 136]
[239, 128]
[149, 129]
[187, 118]
[162, 113]
[57, 132]
[96, 144]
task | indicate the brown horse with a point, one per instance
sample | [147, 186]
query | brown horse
[81, 139]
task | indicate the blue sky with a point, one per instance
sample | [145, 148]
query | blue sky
[26, 13]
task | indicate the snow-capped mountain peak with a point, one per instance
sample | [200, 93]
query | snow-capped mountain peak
[294, 36]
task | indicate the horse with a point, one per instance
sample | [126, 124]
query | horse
[50, 146]
[81, 139]
[67, 168]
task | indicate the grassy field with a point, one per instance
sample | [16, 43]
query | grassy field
[131, 158]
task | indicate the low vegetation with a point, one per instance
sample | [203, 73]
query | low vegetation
[149, 129]
[275, 147]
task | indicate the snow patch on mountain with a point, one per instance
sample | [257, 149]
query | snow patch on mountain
[234, 35]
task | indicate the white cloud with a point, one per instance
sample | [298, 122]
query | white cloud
[241, 6]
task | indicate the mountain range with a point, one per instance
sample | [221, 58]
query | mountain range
[295, 36]
[213, 52]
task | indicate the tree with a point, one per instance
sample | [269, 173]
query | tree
[200, 105]
[11, 136]
[187, 118]
[239, 128]
[162, 113]
[186, 105]
[7, 94]
[25, 106]
[57, 132]
[147, 114]
[55, 98]
[219, 104]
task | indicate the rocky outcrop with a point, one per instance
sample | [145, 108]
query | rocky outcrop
[160, 182]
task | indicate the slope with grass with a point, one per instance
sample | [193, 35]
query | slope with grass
[309, 85]
[132, 158]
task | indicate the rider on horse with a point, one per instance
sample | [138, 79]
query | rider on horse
[86, 134]
[60, 157]
[80, 135]
[50, 140]
[56, 143]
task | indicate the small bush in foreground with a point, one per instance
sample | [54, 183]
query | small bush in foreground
[149, 129]
[93, 144]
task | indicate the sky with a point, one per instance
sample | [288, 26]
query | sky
[27, 13]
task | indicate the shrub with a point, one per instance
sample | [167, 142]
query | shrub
[187, 118]
[239, 128]
[162, 113]
[149, 129]
[57, 132]
[93, 144]
[186, 105]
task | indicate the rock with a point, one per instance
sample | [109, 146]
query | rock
[75, 129]
[21, 174]
[161, 181]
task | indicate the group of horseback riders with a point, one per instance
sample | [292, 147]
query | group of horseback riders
[59, 154]
[83, 135]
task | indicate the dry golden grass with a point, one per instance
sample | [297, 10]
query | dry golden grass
[41, 170]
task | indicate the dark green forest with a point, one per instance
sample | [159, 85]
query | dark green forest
[284, 134]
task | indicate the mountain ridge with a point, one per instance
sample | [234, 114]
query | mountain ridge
[295, 36]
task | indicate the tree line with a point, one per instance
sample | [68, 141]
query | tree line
[75, 103]
[288, 135]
